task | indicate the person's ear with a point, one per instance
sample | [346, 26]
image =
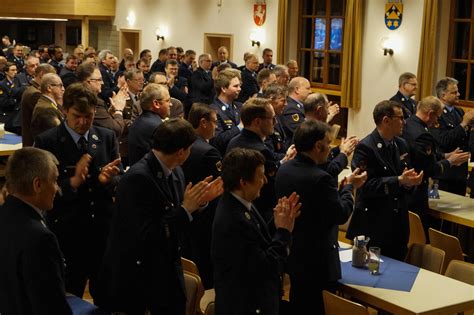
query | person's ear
[36, 185]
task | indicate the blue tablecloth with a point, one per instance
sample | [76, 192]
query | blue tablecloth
[81, 307]
[394, 275]
[10, 138]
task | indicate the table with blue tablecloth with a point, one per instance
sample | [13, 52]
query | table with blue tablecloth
[405, 289]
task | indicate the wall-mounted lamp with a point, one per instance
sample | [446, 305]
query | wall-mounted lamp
[388, 44]
[257, 37]
[255, 42]
[387, 51]
[158, 36]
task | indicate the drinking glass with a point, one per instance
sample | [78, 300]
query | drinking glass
[374, 260]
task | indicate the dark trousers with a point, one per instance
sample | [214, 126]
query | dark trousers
[306, 296]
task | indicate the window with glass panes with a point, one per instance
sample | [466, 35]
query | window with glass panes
[320, 49]
[460, 63]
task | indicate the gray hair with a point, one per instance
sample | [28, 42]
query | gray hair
[443, 84]
[103, 54]
[25, 165]
[47, 80]
[150, 93]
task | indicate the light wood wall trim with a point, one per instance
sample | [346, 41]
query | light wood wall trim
[281, 32]
[55, 8]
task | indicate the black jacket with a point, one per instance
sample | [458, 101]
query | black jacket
[32, 266]
[141, 265]
[381, 208]
[248, 261]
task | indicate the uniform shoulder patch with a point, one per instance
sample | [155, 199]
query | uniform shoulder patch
[295, 117]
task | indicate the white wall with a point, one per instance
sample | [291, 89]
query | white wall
[380, 73]
[186, 21]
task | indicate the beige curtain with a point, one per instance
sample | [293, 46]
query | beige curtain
[427, 56]
[281, 32]
[352, 55]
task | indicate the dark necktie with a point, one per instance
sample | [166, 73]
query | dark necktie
[82, 145]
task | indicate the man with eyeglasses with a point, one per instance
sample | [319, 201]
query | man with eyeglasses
[24, 78]
[155, 103]
[381, 208]
[202, 82]
[425, 155]
[111, 118]
[50, 102]
[407, 85]
[258, 118]
[453, 132]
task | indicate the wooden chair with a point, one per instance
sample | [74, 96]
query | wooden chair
[426, 256]
[461, 270]
[417, 233]
[209, 309]
[450, 244]
[189, 266]
[336, 305]
[209, 295]
[194, 293]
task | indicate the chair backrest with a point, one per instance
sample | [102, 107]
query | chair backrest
[461, 270]
[194, 292]
[209, 309]
[448, 243]
[417, 233]
[189, 266]
[336, 305]
[426, 256]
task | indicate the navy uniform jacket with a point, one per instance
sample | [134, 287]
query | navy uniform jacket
[217, 63]
[450, 135]
[19, 62]
[201, 87]
[408, 104]
[109, 85]
[249, 85]
[262, 66]
[248, 261]
[10, 96]
[227, 121]
[381, 208]
[140, 135]
[424, 156]
[185, 71]
[80, 218]
[177, 91]
[293, 116]
[277, 140]
[22, 79]
[314, 251]
[58, 66]
[204, 160]
[250, 140]
[141, 265]
[32, 266]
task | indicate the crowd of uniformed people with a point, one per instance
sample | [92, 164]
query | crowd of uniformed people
[129, 165]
